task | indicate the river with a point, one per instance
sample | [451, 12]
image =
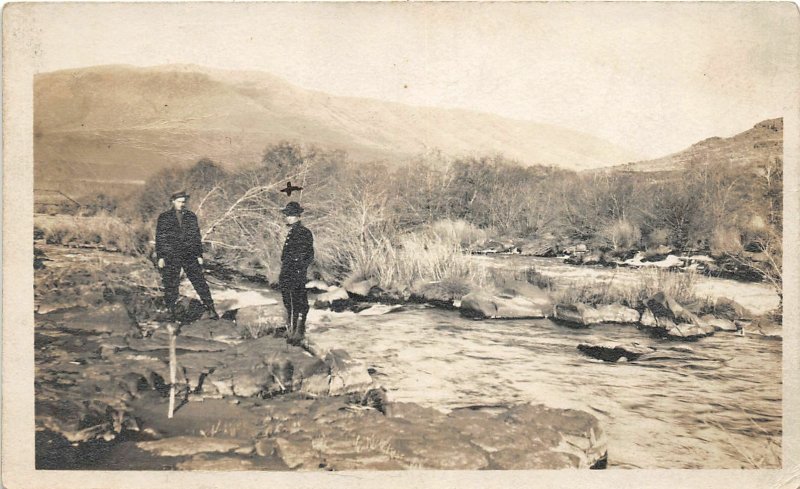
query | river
[714, 403]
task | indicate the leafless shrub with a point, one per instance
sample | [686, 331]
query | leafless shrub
[726, 240]
[621, 234]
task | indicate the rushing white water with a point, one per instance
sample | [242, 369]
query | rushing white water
[708, 404]
[714, 403]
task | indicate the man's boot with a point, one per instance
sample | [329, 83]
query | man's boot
[212, 313]
[300, 331]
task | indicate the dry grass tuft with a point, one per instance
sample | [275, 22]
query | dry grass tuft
[679, 286]
[100, 230]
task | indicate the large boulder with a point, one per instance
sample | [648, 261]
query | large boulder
[763, 327]
[731, 310]
[585, 315]
[539, 247]
[381, 309]
[335, 294]
[668, 318]
[493, 246]
[615, 352]
[719, 324]
[336, 299]
[689, 331]
[105, 319]
[263, 366]
[318, 286]
[359, 288]
[507, 304]
[256, 321]
[346, 375]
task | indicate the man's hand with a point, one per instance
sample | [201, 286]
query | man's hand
[200, 260]
[160, 263]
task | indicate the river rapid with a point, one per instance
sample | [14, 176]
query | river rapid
[708, 404]
[713, 403]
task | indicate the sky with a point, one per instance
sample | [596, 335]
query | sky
[650, 77]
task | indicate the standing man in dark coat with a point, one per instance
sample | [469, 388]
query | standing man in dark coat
[178, 247]
[297, 255]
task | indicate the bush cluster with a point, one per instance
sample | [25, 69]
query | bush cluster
[408, 222]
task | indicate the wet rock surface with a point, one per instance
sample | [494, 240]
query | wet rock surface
[252, 403]
[508, 303]
[261, 318]
[665, 317]
[615, 352]
[586, 315]
[763, 327]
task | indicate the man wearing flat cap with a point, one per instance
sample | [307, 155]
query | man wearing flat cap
[178, 247]
[297, 255]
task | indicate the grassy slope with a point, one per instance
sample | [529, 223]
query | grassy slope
[133, 121]
[752, 147]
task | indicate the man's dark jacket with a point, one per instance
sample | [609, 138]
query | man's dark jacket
[298, 253]
[174, 241]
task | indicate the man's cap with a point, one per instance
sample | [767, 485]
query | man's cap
[293, 209]
[178, 195]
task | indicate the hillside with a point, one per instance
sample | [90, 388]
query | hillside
[122, 124]
[757, 145]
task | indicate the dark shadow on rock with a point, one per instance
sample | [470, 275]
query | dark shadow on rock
[601, 464]
[615, 352]
[189, 310]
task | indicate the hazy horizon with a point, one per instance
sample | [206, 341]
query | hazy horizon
[607, 70]
[745, 125]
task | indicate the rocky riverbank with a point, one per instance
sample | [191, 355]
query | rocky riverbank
[743, 267]
[246, 399]
[660, 314]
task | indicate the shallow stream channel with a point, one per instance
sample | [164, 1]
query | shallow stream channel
[711, 403]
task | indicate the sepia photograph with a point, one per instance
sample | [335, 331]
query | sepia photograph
[419, 238]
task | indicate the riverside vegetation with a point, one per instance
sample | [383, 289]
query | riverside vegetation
[407, 227]
[387, 234]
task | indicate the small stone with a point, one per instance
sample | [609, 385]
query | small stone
[265, 448]
[245, 450]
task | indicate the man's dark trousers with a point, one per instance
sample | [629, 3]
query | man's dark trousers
[171, 278]
[295, 300]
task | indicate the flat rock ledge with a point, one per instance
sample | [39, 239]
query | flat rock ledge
[586, 315]
[334, 434]
[509, 303]
[663, 317]
[102, 381]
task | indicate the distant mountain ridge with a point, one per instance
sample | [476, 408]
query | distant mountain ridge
[752, 147]
[125, 123]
